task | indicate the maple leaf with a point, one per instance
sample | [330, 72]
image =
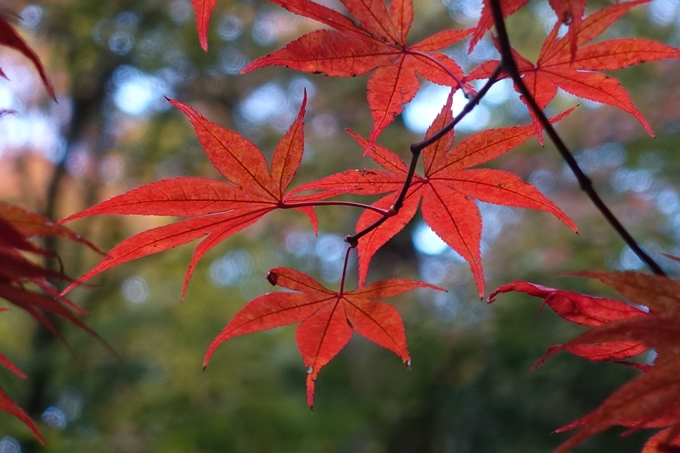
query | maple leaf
[31, 224]
[377, 43]
[674, 258]
[584, 310]
[653, 399]
[508, 7]
[216, 209]
[638, 405]
[447, 190]
[557, 68]
[17, 272]
[327, 318]
[7, 405]
[203, 9]
[569, 12]
[10, 38]
[9, 365]
[660, 443]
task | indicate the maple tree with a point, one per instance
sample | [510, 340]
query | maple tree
[376, 41]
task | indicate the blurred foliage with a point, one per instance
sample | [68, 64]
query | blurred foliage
[470, 389]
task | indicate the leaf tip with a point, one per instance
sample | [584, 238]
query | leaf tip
[69, 288]
[272, 278]
[248, 68]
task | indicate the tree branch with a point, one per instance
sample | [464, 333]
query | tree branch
[510, 67]
[416, 149]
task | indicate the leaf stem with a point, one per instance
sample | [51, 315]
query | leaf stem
[460, 83]
[416, 149]
[302, 204]
[510, 67]
[467, 109]
[344, 272]
[353, 239]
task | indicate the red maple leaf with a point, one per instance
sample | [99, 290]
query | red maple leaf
[508, 7]
[649, 401]
[378, 43]
[9, 365]
[660, 443]
[447, 190]
[10, 38]
[18, 274]
[16, 224]
[7, 405]
[569, 12]
[557, 67]
[31, 224]
[16, 271]
[203, 10]
[653, 399]
[327, 318]
[584, 310]
[216, 209]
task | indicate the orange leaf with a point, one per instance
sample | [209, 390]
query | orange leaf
[621, 331]
[377, 42]
[215, 209]
[566, 64]
[656, 292]
[327, 318]
[447, 190]
[570, 12]
[641, 399]
[508, 7]
[660, 443]
[587, 311]
[574, 307]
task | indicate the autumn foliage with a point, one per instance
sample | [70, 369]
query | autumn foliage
[621, 331]
[26, 284]
[374, 40]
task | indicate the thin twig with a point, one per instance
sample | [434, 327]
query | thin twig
[344, 271]
[585, 183]
[467, 109]
[302, 204]
[416, 149]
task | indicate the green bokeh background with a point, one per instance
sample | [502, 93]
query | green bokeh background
[470, 388]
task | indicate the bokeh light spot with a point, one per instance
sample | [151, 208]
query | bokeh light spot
[426, 241]
[135, 290]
